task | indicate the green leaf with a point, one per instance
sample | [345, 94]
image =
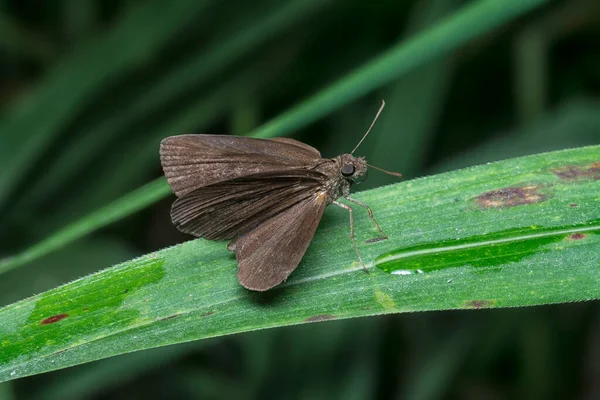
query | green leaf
[89, 254]
[541, 210]
[126, 205]
[421, 94]
[469, 22]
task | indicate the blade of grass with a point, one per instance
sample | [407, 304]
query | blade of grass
[432, 379]
[7, 391]
[89, 254]
[574, 124]
[543, 207]
[471, 21]
[231, 45]
[104, 375]
[69, 86]
[531, 57]
[133, 159]
[417, 99]
[126, 205]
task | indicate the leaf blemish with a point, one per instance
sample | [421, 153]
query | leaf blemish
[577, 236]
[168, 317]
[317, 318]
[572, 172]
[385, 300]
[104, 297]
[54, 318]
[375, 240]
[207, 314]
[510, 197]
[59, 352]
[479, 304]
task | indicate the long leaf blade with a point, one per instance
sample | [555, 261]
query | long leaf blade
[466, 24]
[189, 292]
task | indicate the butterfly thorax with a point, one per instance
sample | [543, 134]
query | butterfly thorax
[341, 172]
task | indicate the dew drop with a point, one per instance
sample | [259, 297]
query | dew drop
[402, 272]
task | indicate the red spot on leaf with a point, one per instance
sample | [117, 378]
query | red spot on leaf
[53, 319]
[577, 236]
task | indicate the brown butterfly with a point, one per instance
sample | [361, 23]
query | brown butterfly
[268, 195]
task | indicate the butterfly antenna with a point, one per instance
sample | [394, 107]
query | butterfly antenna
[398, 174]
[372, 123]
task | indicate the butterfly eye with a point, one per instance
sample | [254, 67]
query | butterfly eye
[348, 170]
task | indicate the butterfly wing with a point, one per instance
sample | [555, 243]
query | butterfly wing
[193, 161]
[225, 209]
[262, 189]
[268, 254]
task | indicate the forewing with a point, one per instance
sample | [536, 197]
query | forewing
[306, 148]
[225, 209]
[193, 161]
[270, 253]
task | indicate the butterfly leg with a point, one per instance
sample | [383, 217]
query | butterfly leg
[370, 216]
[347, 207]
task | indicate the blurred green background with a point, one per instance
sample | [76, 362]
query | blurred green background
[89, 88]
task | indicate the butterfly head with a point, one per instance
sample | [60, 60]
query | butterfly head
[352, 169]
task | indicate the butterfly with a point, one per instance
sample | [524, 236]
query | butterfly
[266, 195]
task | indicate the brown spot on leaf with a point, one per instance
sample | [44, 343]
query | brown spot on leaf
[58, 352]
[321, 317]
[573, 205]
[577, 236]
[375, 239]
[573, 172]
[479, 304]
[53, 319]
[168, 317]
[207, 314]
[510, 197]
